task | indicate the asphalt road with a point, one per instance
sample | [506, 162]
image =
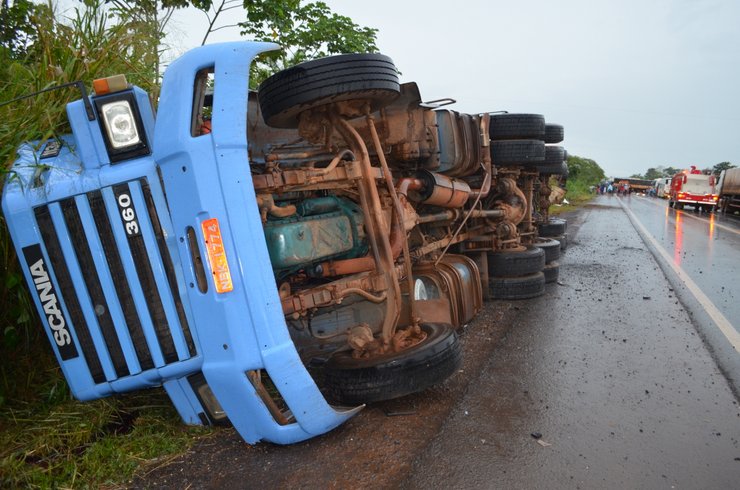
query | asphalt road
[609, 367]
[700, 255]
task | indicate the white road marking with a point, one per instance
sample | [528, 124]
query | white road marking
[689, 215]
[719, 319]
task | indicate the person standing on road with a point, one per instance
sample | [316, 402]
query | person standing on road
[610, 189]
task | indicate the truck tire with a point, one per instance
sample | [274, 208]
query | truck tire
[553, 228]
[559, 169]
[554, 133]
[563, 239]
[564, 170]
[551, 272]
[551, 248]
[525, 287]
[515, 264]
[517, 126]
[355, 381]
[371, 77]
[517, 152]
[554, 155]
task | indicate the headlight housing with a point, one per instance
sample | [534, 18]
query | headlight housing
[121, 125]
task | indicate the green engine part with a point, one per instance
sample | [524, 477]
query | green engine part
[323, 228]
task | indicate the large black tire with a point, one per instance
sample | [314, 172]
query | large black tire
[524, 287]
[554, 155]
[515, 264]
[517, 152]
[517, 126]
[558, 169]
[553, 228]
[355, 381]
[554, 133]
[551, 248]
[371, 77]
[563, 239]
[551, 272]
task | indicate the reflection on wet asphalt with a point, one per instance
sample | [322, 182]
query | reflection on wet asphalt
[706, 246]
[608, 368]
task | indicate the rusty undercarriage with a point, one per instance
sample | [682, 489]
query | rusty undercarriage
[381, 211]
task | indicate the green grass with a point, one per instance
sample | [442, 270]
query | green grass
[105, 442]
[578, 194]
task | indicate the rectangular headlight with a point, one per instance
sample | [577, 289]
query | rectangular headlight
[120, 124]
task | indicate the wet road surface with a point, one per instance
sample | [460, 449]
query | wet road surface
[610, 370]
[706, 246]
[607, 366]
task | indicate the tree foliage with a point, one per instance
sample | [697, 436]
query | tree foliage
[584, 169]
[717, 169]
[653, 173]
[16, 30]
[304, 31]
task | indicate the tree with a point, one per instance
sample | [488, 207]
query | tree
[653, 173]
[16, 30]
[670, 171]
[304, 31]
[585, 170]
[717, 169]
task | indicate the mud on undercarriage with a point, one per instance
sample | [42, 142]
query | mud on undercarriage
[364, 232]
[380, 211]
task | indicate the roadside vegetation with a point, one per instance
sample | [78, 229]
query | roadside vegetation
[653, 173]
[583, 174]
[48, 440]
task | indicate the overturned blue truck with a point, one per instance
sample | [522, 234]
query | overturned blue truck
[276, 259]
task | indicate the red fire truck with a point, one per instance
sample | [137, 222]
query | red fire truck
[694, 188]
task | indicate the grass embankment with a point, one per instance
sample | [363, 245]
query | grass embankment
[583, 173]
[48, 440]
[578, 194]
[62, 443]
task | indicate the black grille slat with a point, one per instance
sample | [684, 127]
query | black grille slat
[68, 293]
[149, 286]
[168, 267]
[94, 288]
[115, 265]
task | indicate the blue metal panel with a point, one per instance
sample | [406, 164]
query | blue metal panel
[108, 288]
[185, 401]
[24, 232]
[88, 310]
[133, 280]
[159, 273]
[208, 177]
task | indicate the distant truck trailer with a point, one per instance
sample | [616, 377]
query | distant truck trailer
[637, 185]
[729, 190]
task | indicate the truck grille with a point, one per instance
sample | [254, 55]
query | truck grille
[130, 339]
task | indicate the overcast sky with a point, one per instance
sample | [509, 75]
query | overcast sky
[637, 84]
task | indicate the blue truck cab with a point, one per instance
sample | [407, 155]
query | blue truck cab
[143, 248]
[243, 245]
